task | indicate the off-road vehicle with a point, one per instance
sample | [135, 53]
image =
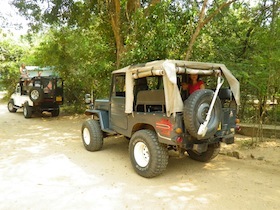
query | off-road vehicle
[37, 94]
[147, 106]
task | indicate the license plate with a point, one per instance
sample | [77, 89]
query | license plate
[58, 98]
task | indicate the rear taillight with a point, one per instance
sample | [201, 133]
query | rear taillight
[178, 130]
[179, 139]
[237, 127]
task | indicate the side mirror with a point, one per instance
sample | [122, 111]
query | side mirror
[87, 98]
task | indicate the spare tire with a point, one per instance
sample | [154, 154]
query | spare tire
[195, 111]
[36, 94]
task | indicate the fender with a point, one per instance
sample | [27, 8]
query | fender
[102, 115]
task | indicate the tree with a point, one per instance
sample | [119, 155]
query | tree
[160, 33]
[11, 54]
[61, 12]
[83, 59]
[90, 38]
[114, 10]
[202, 21]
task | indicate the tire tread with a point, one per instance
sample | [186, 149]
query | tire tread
[157, 151]
[96, 135]
[212, 151]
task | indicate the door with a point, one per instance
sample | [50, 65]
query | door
[118, 118]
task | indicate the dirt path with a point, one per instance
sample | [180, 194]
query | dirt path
[43, 165]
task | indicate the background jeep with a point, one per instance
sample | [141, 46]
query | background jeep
[38, 94]
[146, 105]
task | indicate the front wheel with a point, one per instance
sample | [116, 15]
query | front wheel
[212, 151]
[11, 106]
[149, 158]
[92, 135]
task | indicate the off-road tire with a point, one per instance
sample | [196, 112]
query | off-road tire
[27, 110]
[36, 94]
[92, 135]
[195, 112]
[148, 157]
[11, 105]
[212, 151]
[55, 112]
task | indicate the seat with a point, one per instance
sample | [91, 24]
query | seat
[140, 84]
[150, 101]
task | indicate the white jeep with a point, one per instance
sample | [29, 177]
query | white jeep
[38, 94]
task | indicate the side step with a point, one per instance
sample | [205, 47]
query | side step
[109, 131]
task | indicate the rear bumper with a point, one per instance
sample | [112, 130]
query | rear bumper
[228, 139]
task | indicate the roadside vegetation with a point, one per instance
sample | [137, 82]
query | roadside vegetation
[87, 40]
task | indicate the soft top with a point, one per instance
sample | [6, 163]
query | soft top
[169, 70]
[45, 71]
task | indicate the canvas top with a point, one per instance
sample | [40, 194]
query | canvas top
[169, 70]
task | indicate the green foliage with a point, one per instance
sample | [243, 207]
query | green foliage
[160, 34]
[81, 57]
[10, 57]
[246, 41]
[80, 43]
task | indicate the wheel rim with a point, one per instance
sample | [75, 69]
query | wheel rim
[10, 106]
[86, 136]
[202, 112]
[34, 94]
[141, 154]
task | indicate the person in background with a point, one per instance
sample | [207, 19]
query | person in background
[194, 85]
[23, 71]
[48, 88]
[24, 75]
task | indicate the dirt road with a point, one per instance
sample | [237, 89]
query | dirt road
[43, 165]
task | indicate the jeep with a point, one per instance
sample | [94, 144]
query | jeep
[148, 107]
[37, 94]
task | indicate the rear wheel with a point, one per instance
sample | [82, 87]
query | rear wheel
[212, 151]
[55, 112]
[149, 158]
[11, 106]
[92, 135]
[27, 110]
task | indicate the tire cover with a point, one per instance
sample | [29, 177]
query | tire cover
[195, 111]
[38, 91]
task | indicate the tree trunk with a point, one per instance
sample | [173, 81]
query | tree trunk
[202, 21]
[275, 13]
[114, 9]
[131, 7]
[197, 30]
